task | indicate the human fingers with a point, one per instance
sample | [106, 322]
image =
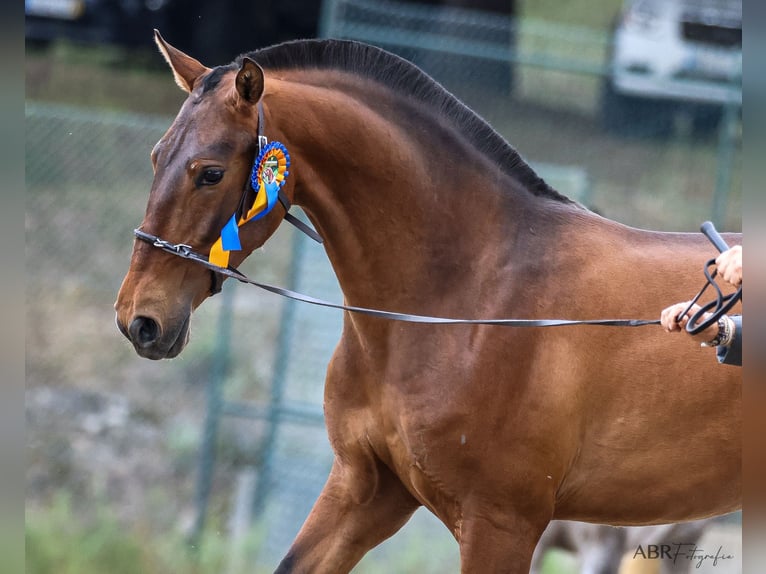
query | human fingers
[671, 319]
[729, 265]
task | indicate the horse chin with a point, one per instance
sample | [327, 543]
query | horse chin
[169, 346]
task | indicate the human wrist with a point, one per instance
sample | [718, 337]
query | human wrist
[723, 334]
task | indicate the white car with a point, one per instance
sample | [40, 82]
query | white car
[673, 54]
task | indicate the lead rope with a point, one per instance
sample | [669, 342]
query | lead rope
[186, 252]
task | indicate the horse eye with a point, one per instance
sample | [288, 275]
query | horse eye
[211, 176]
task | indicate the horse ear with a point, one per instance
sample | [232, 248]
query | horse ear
[185, 68]
[249, 81]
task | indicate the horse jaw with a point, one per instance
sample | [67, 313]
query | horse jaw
[186, 70]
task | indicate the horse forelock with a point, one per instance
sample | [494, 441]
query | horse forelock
[403, 78]
[213, 78]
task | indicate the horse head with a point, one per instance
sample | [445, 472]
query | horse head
[202, 168]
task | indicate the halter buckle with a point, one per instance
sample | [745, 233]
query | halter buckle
[180, 248]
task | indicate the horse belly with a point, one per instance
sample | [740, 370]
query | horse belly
[659, 449]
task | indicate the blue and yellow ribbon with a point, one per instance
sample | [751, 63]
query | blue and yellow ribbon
[268, 175]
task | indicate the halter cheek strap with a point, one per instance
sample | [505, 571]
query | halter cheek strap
[267, 177]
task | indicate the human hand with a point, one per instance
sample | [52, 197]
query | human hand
[670, 324]
[729, 265]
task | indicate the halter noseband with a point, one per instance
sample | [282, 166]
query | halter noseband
[267, 177]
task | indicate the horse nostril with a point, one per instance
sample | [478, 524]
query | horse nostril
[144, 331]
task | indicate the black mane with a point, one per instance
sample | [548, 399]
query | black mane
[404, 78]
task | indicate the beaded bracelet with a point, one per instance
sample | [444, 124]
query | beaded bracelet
[725, 333]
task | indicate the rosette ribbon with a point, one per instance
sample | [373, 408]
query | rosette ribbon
[268, 175]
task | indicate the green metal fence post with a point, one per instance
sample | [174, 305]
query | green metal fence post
[215, 392]
[278, 382]
[328, 19]
[726, 144]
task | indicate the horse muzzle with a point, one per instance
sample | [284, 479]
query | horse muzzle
[151, 340]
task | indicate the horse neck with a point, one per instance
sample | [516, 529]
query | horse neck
[402, 211]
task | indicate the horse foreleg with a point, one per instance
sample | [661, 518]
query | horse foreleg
[348, 519]
[498, 544]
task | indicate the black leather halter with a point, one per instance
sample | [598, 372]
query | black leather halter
[216, 280]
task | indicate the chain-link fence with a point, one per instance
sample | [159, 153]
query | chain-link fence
[88, 176]
[547, 86]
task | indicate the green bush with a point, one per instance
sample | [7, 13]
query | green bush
[56, 543]
[60, 542]
[559, 562]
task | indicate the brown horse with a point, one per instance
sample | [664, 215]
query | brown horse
[425, 209]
